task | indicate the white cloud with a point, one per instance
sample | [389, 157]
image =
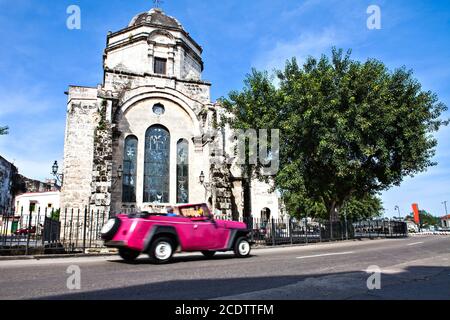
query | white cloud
[307, 44]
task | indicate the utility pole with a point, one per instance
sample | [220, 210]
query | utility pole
[445, 205]
[398, 209]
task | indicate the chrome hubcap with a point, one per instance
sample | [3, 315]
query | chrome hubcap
[163, 251]
[244, 248]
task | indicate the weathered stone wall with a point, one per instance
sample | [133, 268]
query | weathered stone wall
[82, 121]
[102, 163]
[7, 173]
[134, 51]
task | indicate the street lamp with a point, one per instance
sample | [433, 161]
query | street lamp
[119, 173]
[445, 205]
[398, 209]
[206, 185]
[59, 176]
[202, 178]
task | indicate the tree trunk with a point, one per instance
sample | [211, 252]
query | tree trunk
[333, 211]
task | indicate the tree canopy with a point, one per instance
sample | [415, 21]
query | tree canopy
[3, 130]
[426, 219]
[299, 205]
[348, 129]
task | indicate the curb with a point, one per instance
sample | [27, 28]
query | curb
[57, 256]
[110, 254]
[431, 233]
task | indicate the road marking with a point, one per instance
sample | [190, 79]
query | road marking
[415, 243]
[326, 255]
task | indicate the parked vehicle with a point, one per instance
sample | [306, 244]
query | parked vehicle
[25, 231]
[192, 229]
[412, 227]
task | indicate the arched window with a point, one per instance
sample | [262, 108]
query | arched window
[129, 169]
[183, 171]
[157, 165]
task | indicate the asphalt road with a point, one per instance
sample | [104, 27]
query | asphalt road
[414, 268]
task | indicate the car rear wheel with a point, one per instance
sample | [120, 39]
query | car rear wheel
[209, 254]
[242, 248]
[128, 255]
[161, 250]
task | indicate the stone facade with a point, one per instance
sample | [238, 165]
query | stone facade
[8, 173]
[100, 120]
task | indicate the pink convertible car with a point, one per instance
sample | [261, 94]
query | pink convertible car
[192, 228]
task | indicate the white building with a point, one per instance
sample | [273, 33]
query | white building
[142, 139]
[38, 205]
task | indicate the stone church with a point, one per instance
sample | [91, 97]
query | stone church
[144, 138]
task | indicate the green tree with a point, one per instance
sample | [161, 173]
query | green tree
[3, 130]
[348, 129]
[368, 206]
[55, 215]
[426, 219]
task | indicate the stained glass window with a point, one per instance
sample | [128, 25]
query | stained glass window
[129, 169]
[157, 165]
[183, 171]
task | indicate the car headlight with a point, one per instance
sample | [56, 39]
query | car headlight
[108, 226]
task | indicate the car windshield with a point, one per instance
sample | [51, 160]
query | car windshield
[195, 211]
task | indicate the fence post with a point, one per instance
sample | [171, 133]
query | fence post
[346, 227]
[331, 230]
[273, 232]
[37, 227]
[84, 229]
[306, 230]
[290, 231]
[5, 235]
[43, 228]
[29, 229]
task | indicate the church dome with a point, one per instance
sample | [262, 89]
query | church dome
[155, 16]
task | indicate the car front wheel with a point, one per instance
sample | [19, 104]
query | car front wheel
[242, 248]
[128, 255]
[161, 250]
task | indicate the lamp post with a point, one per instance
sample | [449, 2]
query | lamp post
[445, 206]
[119, 174]
[398, 209]
[208, 188]
[59, 176]
[206, 185]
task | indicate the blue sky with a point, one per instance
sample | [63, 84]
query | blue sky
[40, 57]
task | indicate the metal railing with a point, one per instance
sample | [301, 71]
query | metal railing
[78, 230]
[35, 233]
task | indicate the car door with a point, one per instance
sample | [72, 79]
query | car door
[203, 234]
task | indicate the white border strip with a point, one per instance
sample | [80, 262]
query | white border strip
[326, 255]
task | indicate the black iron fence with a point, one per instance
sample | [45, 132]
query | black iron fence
[291, 231]
[35, 233]
[79, 230]
[82, 229]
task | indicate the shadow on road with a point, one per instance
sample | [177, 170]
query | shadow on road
[177, 259]
[418, 282]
